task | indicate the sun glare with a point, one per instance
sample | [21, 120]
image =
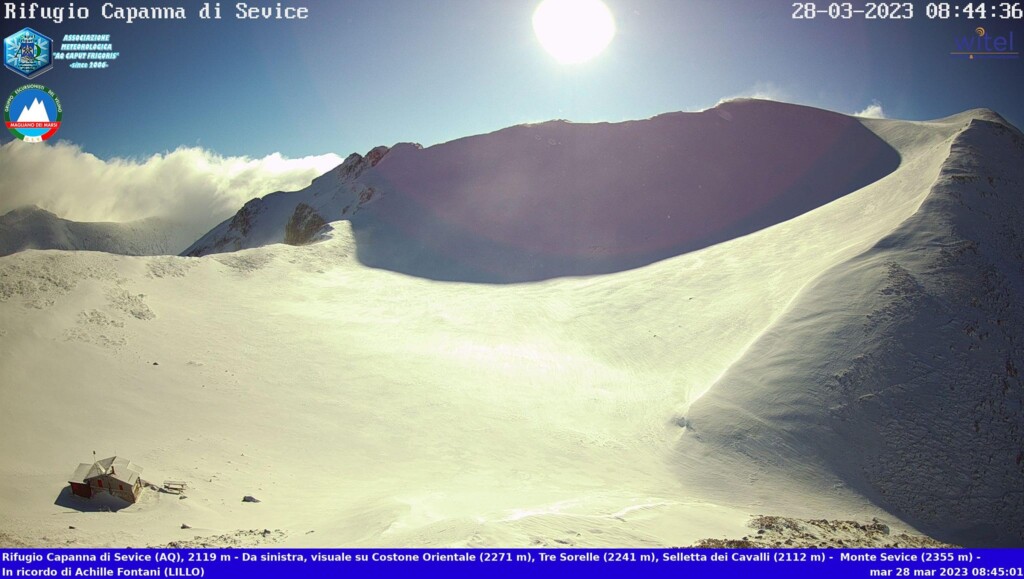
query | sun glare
[573, 31]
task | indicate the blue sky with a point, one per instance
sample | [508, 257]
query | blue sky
[361, 73]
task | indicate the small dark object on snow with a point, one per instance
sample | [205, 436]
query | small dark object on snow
[250, 499]
[880, 526]
[156, 363]
[70, 527]
[184, 526]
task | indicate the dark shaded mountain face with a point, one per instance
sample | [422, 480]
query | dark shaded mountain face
[560, 199]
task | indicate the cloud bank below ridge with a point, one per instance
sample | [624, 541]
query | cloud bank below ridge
[189, 185]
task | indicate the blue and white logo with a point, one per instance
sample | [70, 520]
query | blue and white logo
[33, 113]
[27, 52]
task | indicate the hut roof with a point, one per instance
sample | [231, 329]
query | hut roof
[120, 469]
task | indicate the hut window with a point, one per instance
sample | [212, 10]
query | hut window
[99, 483]
[121, 487]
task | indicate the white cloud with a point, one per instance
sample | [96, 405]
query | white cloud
[873, 111]
[190, 185]
[772, 92]
[762, 90]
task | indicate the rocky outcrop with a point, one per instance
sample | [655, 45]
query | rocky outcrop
[295, 217]
[242, 221]
[303, 225]
[355, 163]
[788, 533]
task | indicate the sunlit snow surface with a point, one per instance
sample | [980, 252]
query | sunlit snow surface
[650, 406]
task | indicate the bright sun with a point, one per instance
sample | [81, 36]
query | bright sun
[573, 31]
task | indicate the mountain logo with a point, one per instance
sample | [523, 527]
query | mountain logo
[33, 113]
[27, 52]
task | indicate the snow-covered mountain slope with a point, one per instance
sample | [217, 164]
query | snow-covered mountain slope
[897, 372]
[365, 407]
[555, 199]
[35, 228]
[296, 217]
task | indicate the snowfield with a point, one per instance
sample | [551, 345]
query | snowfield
[857, 357]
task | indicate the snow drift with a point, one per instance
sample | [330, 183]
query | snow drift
[897, 372]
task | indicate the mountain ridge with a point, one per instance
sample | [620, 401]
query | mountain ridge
[31, 227]
[557, 199]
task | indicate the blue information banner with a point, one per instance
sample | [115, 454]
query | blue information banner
[535, 563]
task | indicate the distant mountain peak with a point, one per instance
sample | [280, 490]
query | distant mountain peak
[355, 164]
[31, 227]
[26, 211]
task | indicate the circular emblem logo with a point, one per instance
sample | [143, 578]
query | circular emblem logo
[33, 113]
